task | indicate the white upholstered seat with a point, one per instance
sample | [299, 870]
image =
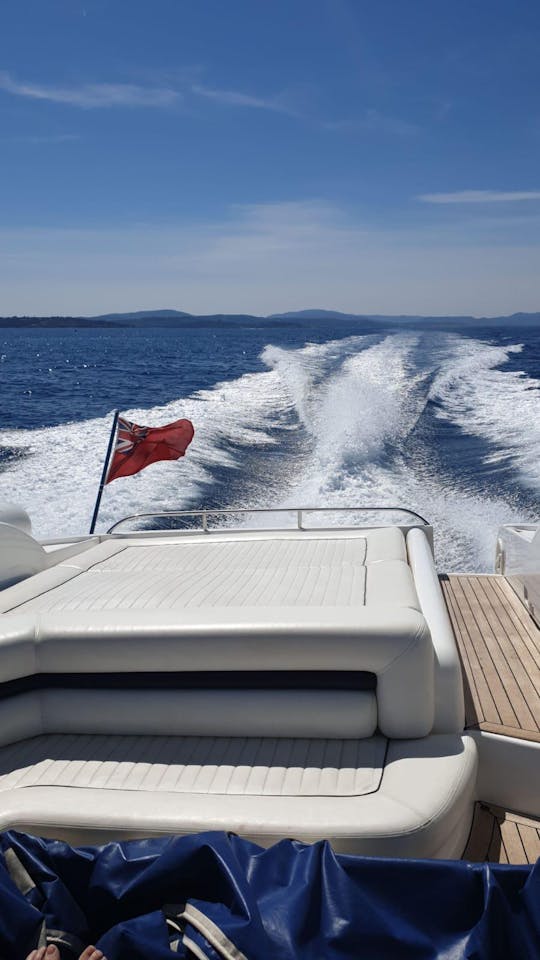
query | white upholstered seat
[92, 788]
[307, 763]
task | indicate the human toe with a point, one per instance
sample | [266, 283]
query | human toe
[92, 953]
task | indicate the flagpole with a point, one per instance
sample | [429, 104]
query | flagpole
[105, 470]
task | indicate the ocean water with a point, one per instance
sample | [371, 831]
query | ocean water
[446, 423]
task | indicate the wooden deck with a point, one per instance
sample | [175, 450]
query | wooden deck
[499, 646]
[501, 836]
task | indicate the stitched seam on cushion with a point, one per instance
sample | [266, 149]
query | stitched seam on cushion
[44, 591]
[383, 768]
[398, 656]
[96, 563]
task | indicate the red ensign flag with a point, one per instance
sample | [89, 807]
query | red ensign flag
[137, 447]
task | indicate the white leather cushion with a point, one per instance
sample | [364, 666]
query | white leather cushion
[252, 549]
[248, 573]
[449, 701]
[239, 766]
[228, 713]
[13, 514]
[306, 570]
[393, 643]
[15, 597]
[240, 555]
[223, 586]
[310, 572]
[90, 557]
[390, 582]
[17, 647]
[385, 543]
[20, 555]
[423, 807]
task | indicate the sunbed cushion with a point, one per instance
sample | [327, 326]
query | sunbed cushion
[315, 573]
[240, 555]
[222, 587]
[422, 807]
[234, 766]
[291, 572]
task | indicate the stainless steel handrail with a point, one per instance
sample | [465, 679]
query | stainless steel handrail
[299, 511]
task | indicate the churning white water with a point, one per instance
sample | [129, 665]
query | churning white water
[349, 422]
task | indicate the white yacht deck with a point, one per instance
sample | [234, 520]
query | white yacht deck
[276, 683]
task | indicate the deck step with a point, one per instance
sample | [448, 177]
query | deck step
[501, 836]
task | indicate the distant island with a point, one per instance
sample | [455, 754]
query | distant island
[175, 319]
[54, 322]
[178, 319]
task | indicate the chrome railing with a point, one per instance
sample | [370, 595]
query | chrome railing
[299, 512]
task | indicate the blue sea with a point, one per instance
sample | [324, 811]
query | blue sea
[312, 414]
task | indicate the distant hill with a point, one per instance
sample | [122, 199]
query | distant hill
[172, 319]
[62, 322]
[523, 319]
[315, 315]
[140, 315]
[177, 319]
[459, 322]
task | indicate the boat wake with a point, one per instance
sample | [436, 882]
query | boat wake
[386, 419]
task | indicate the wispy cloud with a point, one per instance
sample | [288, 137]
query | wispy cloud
[293, 102]
[93, 95]
[480, 196]
[265, 256]
[296, 103]
[234, 98]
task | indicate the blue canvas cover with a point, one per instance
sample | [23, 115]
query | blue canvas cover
[217, 896]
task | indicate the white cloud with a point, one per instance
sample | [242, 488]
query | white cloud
[264, 258]
[296, 103]
[480, 196]
[92, 95]
[234, 98]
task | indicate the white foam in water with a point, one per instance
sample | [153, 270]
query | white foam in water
[370, 401]
[360, 419]
[354, 404]
[58, 476]
[57, 480]
[502, 406]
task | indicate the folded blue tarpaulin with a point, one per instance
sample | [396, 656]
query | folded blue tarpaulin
[217, 896]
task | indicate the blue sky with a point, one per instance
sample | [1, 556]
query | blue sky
[265, 155]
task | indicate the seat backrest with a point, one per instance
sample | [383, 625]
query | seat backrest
[20, 555]
[15, 515]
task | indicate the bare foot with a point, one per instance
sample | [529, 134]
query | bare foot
[45, 953]
[91, 953]
[51, 953]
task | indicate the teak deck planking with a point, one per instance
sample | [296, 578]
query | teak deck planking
[499, 647]
[500, 836]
